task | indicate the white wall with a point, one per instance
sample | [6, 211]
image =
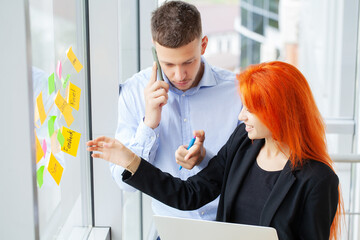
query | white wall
[18, 216]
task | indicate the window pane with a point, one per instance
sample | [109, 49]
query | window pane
[258, 3]
[255, 52]
[258, 23]
[273, 23]
[244, 57]
[244, 17]
[274, 6]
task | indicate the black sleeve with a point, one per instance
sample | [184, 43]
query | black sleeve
[191, 194]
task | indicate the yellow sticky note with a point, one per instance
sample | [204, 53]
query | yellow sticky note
[55, 146]
[55, 169]
[39, 150]
[64, 108]
[40, 107]
[73, 59]
[72, 140]
[69, 118]
[36, 116]
[73, 96]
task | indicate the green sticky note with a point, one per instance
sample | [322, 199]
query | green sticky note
[40, 175]
[60, 138]
[66, 80]
[51, 81]
[51, 125]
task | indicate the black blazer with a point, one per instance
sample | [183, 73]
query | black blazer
[302, 204]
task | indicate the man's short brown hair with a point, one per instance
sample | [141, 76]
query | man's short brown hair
[175, 24]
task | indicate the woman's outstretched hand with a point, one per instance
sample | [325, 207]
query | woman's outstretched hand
[112, 151]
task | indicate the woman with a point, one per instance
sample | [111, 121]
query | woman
[273, 171]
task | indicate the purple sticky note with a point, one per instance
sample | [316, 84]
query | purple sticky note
[59, 69]
[44, 147]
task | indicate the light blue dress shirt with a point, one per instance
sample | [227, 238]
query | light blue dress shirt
[213, 106]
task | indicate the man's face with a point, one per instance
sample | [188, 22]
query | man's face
[182, 66]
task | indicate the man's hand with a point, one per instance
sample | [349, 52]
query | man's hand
[156, 96]
[194, 156]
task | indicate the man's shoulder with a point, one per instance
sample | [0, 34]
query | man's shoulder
[137, 81]
[223, 75]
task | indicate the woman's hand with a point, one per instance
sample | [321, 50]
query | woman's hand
[112, 151]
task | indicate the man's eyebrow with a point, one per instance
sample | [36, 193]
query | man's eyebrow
[189, 60]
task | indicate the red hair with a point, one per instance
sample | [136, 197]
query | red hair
[279, 95]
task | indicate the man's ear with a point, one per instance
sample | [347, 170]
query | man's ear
[204, 42]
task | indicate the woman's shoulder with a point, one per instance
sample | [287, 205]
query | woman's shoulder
[316, 171]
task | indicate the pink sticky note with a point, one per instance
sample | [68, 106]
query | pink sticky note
[44, 147]
[59, 69]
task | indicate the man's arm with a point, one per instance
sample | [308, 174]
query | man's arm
[134, 109]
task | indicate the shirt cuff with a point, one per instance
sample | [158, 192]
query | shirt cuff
[146, 138]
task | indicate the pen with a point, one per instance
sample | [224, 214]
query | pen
[190, 145]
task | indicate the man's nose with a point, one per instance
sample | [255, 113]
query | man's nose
[179, 73]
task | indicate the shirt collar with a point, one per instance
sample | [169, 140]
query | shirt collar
[207, 80]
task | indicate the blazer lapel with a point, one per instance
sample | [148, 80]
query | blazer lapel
[277, 195]
[238, 170]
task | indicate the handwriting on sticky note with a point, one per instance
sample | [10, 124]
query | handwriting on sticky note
[40, 175]
[38, 149]
[64, 108]
[74, 60]
[40, 107]
[73, 96]
[72, 140]
[55, 169]
[51, 83]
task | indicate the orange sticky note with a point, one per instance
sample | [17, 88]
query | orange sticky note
[55, 146]
[73, 59]
[72, 140]
[39, 150]
[69, 118]
[55, 169]
[36, 116]
[73, 96]
[40, 107]
[64, 108]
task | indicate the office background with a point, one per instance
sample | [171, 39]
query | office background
[112, 40]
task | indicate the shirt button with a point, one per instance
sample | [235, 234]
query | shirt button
[183, 95]
[185, 119]
[202, 213]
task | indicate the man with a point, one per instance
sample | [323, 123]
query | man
[157, 119]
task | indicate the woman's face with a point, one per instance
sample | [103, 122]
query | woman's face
[255, 128]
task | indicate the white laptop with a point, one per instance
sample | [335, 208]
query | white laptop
[171, 228]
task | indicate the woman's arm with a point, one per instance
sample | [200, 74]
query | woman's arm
[191, 194]
[320, 208]
[185, 195]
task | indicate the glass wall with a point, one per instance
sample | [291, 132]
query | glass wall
[59, 75]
